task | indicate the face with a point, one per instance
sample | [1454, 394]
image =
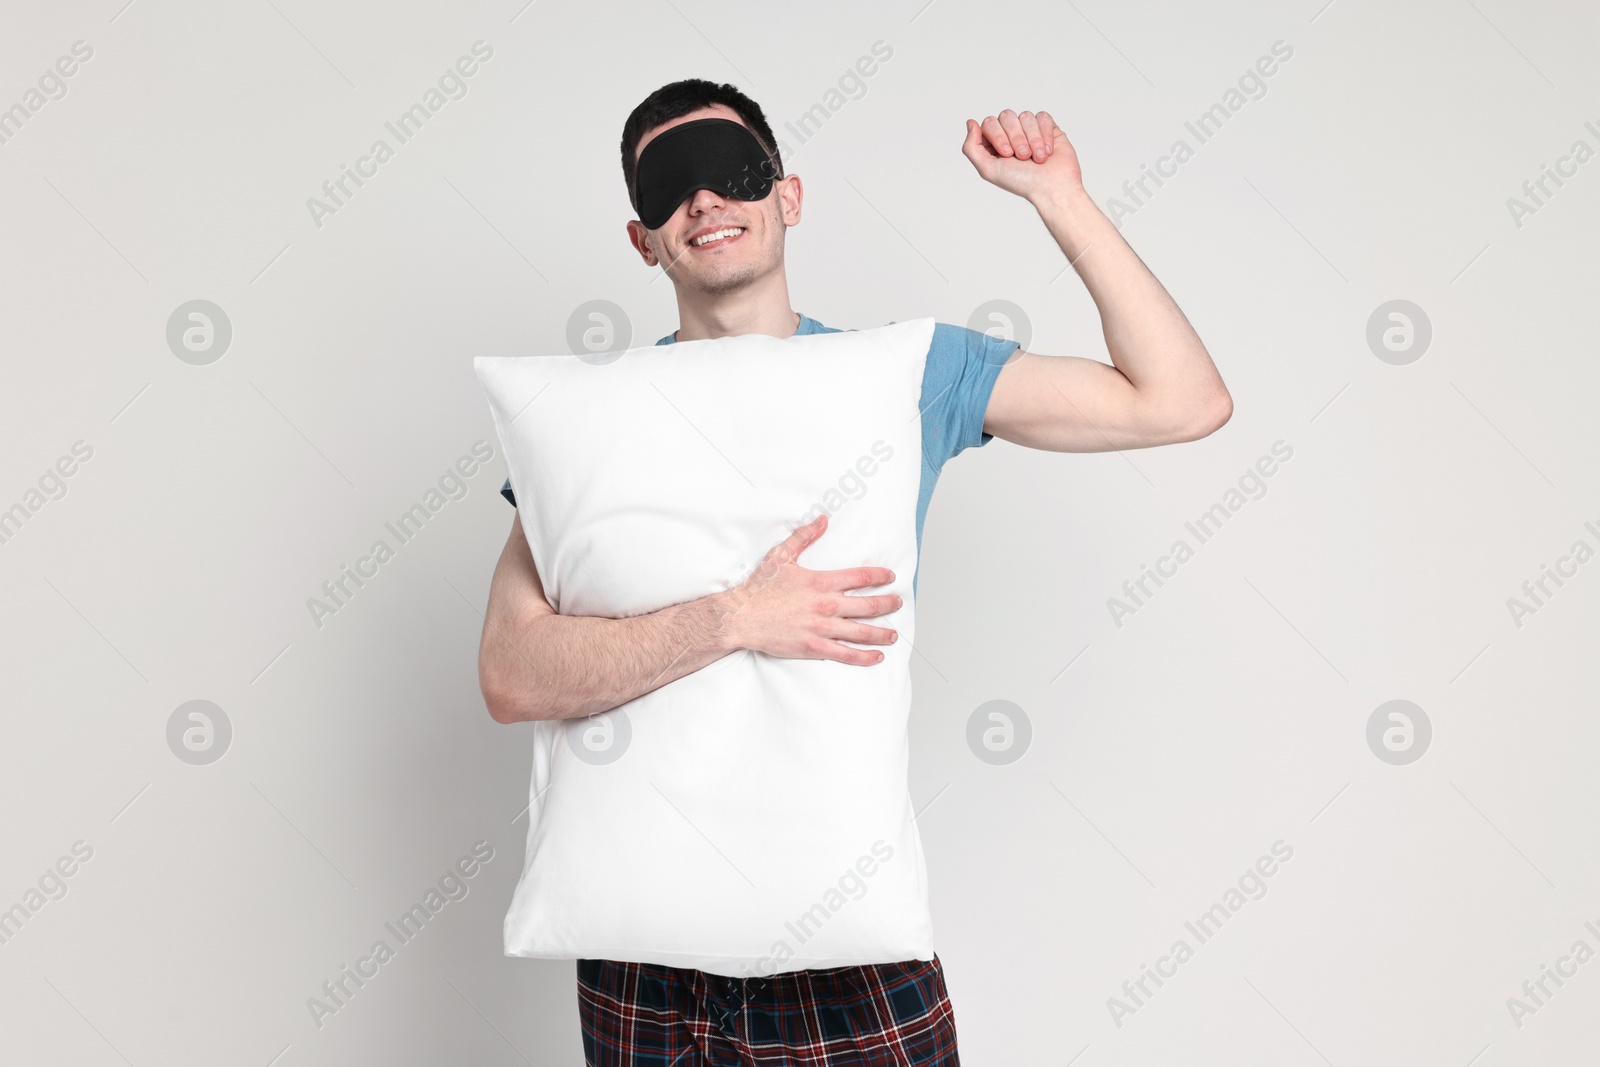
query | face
[688, 245]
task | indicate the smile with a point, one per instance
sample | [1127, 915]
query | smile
[718, 237]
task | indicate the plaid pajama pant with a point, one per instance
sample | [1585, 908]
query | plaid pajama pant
[647, 1015]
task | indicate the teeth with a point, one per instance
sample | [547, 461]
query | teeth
[708, 238]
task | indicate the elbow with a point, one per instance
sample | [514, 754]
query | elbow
[502, 708]
[1205, 418]
[506, 701]
[507, 708]
[1218, 412]
[1187, 417]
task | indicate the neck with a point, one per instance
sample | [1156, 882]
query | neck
[749, 310]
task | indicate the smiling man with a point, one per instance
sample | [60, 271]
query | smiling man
[714, 204]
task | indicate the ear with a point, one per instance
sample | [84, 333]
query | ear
[790, 196]
[638, 236]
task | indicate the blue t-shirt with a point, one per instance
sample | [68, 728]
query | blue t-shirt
[961, 368]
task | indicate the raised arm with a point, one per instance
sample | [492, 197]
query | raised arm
[1162, 386]
[536, 664]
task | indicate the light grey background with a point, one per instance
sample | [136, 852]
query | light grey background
[1167, 753]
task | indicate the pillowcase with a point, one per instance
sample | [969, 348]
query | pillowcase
[752, 817]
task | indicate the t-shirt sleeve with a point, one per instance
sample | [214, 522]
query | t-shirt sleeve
[962, 367]
[505, 491]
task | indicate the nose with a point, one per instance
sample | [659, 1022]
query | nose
[704, 200]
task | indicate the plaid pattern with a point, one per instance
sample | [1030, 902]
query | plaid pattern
[647, 1015]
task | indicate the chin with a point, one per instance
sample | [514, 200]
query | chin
[726, 281]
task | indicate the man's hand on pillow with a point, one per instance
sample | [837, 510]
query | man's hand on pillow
[1024, 153]
[786, 610]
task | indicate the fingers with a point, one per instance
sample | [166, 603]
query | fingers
[856, 657]
[787, 550]
[999, 140]
[856, 578]
[975, 139]
[857, 607]
[976, 150]
[1028, 135]
[1034, 134]
[1051, 130]
[1019, 138]
[831, 646]
[860, 633]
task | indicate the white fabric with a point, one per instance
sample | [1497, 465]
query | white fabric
[757, 818]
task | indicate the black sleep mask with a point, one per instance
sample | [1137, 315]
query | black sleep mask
[716, 154]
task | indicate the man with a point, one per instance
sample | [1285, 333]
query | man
[725, 258]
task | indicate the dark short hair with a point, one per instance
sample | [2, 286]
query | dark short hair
[680, 98]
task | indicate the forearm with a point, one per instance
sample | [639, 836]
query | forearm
[1147, 335]
[550, 666]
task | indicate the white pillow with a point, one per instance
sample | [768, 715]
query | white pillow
[752, 817]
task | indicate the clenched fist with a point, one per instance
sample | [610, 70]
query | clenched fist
[1025, 153]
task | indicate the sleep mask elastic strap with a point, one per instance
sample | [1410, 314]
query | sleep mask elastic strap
[716, 154]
